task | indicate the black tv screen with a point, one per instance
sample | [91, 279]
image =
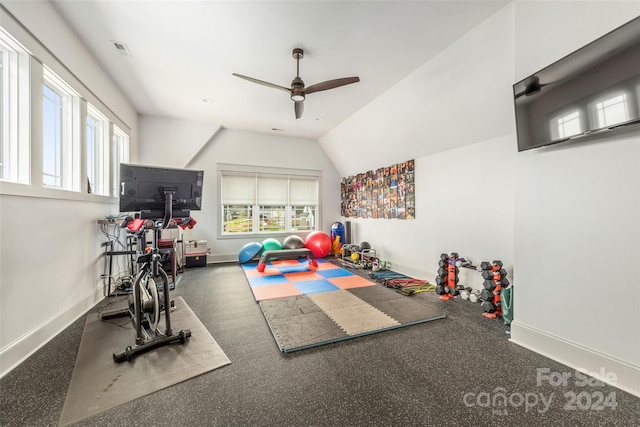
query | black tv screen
[145, 188]
[592, 90]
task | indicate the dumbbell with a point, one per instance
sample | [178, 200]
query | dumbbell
[487, 295]
[495, 265]
[465, 293]
[441, 280]
[440, 290]
[488, 306]
[489, 285]
[494, 275]
[474, 296]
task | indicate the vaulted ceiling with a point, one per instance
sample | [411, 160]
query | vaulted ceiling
[179, 56]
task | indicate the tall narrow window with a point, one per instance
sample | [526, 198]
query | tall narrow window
[60, 140]
[3, 108]
[119, 154]
[14, 110]
[97, 148]
[52, 137]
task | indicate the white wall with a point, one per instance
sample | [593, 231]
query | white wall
[577, 216]
[454, 115]
[210, 146]
[50, 242]
[565, 220]
[171, 142]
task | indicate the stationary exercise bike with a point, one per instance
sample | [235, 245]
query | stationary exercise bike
[150, 294]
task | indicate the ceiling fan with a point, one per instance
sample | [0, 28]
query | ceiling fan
[298, 91]
[532, 87]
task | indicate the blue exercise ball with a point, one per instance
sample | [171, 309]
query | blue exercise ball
[249, 251]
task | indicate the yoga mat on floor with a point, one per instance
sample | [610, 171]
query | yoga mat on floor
[305, 321]
[98, 383]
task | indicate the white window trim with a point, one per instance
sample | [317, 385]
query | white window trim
[71, 151]
[27, 135]
[233, 169]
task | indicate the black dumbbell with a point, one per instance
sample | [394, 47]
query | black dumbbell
[496, 265]
[440, 290]
[488, 306]
[489, 285]
[486, 295]
[441, 280]
[494, 275]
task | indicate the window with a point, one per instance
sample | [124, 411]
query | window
[612, 110]
[54, 131]
[14, 110]
[97, 149]
[268, 203]
[566, 125]
[60, 144]
[52, 141]
[120, 154]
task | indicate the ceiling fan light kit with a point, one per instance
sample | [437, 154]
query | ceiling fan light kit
[298, 91]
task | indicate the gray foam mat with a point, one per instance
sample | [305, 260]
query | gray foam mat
[98, 383]
[311, 320]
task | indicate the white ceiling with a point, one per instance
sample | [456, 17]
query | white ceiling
[186, 51]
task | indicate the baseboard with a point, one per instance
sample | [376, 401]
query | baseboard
[597, 364]
[19, 350]
[221, 258]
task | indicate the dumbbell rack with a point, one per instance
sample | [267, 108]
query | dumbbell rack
[447, 279]
[495, 278]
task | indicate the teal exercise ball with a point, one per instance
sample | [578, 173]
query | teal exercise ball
[271, 244]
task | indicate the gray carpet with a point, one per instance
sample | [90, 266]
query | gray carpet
[98, 383]
[306, 321]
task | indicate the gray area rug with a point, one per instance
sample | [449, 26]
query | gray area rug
[98, 383]
[306, 321]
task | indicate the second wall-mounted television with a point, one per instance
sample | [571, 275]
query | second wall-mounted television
[593, 90]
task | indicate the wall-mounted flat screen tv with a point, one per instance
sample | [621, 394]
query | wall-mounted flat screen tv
[591, 91]
[145, 189]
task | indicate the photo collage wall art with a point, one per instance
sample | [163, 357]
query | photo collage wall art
[387, 193]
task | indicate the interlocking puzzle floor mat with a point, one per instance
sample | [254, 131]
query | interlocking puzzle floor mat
[289, 278]
[98, 383]
[306, 308]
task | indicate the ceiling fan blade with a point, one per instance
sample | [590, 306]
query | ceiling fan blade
[299, 108]
[331, 84]
[263, 83]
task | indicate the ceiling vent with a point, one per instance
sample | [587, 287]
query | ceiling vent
[122, 48]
